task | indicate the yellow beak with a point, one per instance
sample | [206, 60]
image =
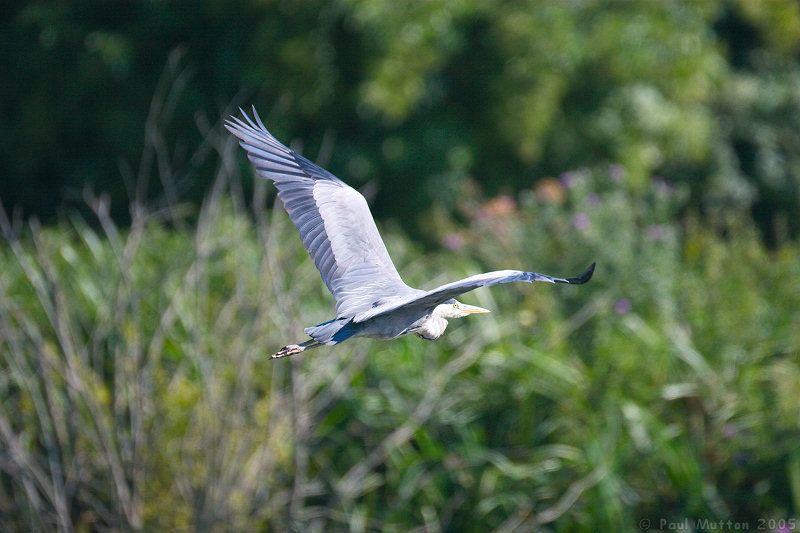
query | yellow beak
[473, 309]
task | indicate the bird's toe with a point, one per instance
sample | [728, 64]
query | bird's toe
[286, 351]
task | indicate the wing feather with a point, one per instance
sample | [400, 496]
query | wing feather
[445, 292]
[333, 219]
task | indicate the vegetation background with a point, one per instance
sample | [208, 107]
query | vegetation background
[143, 278]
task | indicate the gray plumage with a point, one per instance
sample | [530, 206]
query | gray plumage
[339, 233]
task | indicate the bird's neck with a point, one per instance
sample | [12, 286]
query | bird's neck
[433, 327]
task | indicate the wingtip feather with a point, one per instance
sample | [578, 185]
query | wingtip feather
[583, 277]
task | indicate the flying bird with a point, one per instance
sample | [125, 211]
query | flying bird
[338, 231]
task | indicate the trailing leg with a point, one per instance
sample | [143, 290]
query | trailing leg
[330, 333]
[293, 349]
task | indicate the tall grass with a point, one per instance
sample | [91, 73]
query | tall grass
[136, 392]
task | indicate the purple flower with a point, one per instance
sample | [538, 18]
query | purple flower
[662, 186]
[454, 241]
[567, 179]
[581, 221]
[593, 200]
[622, 306]
[655, 232]
[573, 178]
[616, 173]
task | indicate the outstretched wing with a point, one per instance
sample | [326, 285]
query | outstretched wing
[441, 294]
[333, 219]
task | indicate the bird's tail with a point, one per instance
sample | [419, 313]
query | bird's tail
[332, 332]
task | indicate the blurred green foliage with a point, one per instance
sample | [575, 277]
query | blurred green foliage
[415, 96]
[660, 139]
[136, 393]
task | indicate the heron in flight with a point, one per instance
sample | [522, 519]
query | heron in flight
[339, 233]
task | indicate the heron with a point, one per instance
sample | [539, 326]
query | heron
[340, 235]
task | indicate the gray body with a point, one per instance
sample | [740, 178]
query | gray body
[340, 235]
[423, 322]
[417, 320]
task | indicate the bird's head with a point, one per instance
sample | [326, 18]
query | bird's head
[455, 309]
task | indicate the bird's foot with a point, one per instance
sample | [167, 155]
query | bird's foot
[286, 351]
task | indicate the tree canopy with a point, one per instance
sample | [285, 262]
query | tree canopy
[415, 97]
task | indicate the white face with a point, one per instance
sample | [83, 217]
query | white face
[457, 310]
